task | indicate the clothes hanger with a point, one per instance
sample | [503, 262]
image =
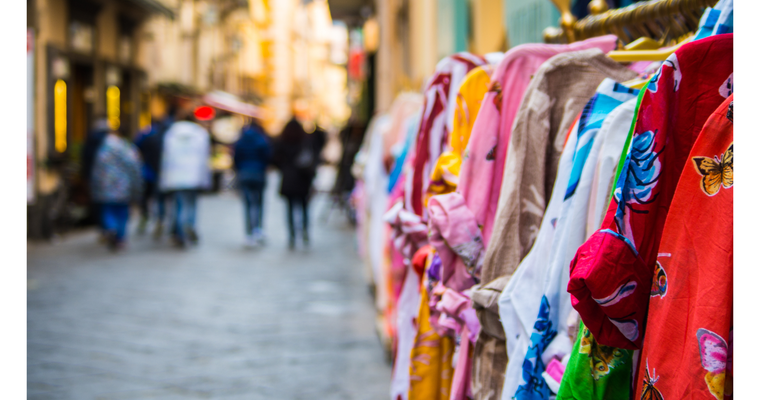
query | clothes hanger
[646, 55]
[643, 43]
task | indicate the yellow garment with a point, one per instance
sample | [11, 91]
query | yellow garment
[469, 98]
[445, 175]
[431, 369]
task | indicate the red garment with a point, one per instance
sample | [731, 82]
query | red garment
[611, 275]
[420, 258]
[687, 350]
[437, 121]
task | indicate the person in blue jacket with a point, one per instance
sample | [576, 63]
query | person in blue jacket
[150, 144]
[252, 154]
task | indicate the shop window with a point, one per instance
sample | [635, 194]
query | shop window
[81, 37]
[127, 30]
[125, 49]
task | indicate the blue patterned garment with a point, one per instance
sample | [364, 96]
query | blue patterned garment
[534, 386]
[716, 21]
[609, 95]
[116, 173]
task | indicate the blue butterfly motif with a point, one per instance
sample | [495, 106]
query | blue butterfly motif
[638, 179]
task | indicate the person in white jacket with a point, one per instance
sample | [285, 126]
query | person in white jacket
[185, 171]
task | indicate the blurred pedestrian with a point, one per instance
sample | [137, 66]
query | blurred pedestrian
[296, 155]
[115, 183]
[150, 144]
[184, 172]
[95, 138]
[253, 152]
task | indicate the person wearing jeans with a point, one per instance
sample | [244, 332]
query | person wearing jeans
[185, 210]
[297, 155]
[150, 144]
[253, 203]
[253, 153]
[298, 208]
[115, 217]
[116, 182]
[184, 172]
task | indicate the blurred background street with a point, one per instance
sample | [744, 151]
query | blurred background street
[216, 321]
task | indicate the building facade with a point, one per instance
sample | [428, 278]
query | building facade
[85, 65]
[120, 58]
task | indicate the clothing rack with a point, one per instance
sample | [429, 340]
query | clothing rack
[665, 20]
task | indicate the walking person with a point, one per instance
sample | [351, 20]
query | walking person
[184, 172]
[253, 152]
[116, 182]
[150, 145]
[296, 155]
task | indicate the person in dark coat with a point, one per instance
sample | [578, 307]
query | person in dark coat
[253, 153]
[150, 145]
[297, 155]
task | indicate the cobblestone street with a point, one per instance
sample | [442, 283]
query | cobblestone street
[216, 321]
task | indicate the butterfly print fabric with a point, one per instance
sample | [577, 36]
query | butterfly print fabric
[716, 171]
[690, 309]
[650, 390]
[672, 112]
[660, 281]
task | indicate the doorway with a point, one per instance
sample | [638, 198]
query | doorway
[82, 104]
